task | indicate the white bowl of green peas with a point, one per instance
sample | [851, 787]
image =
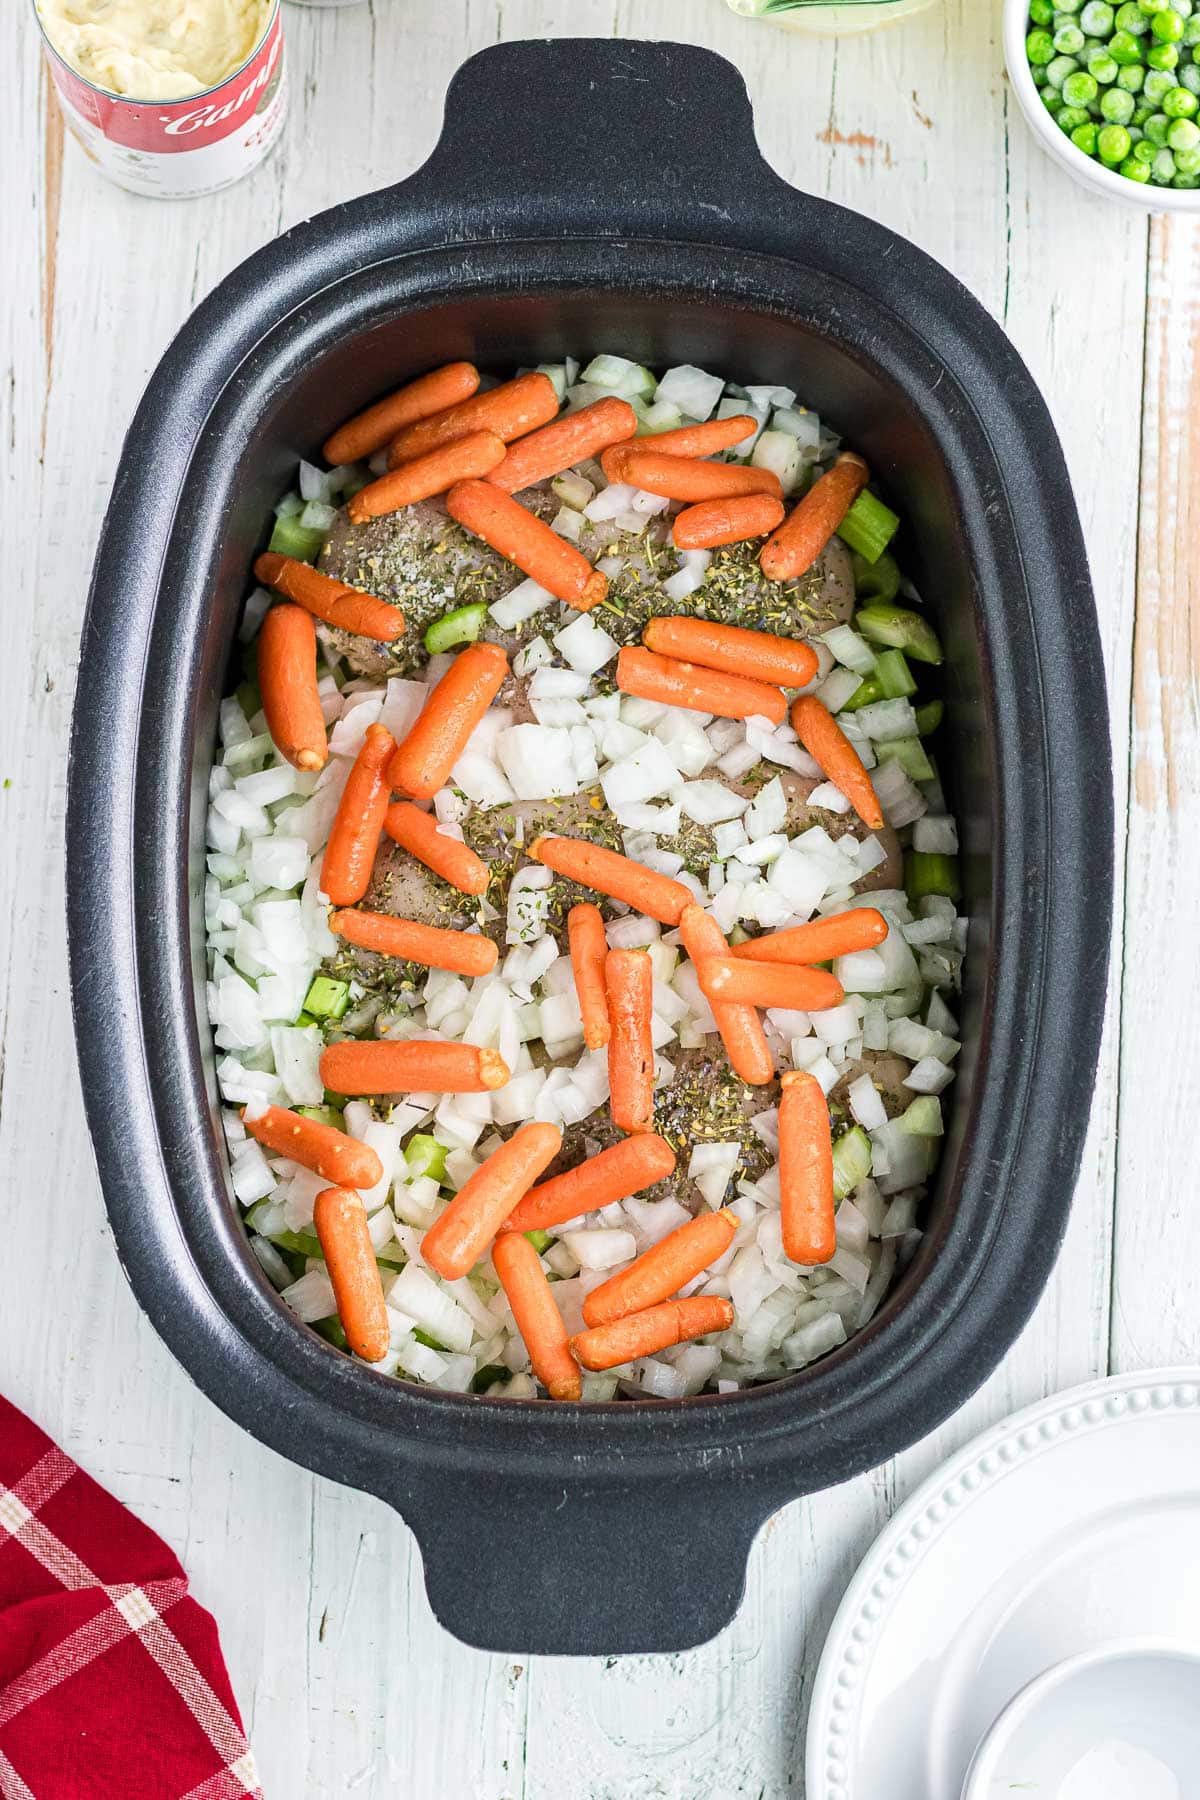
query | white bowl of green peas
[1113, 92]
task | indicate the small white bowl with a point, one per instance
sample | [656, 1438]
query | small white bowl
[1056, 143]
[1133, 1708]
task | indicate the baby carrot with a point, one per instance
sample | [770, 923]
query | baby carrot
[732, 521]
[832, 750]
[418, 833]
[740, 1027]
[341, 1222]
[350, 853]
[350, 609]
[564, 443]
[287, 679]
[685, 478]
[589, 947]
[859, 929]
[759, 655]
[322, 1148]
[455, 1242]
[369, 431]
[528, 542]
[629, 986]
[536, 1312]
[805, 1171]
[623, 1169]
[674, 683]
[427, 475]
[726, 978]
[463, 952]
[663, 1269]
[424, 759]
[641, 1334]
[611, 873]
[509, 410]
[687, 440]
[411, 1065]
[795, 547]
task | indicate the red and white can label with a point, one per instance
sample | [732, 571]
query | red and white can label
[177, 149]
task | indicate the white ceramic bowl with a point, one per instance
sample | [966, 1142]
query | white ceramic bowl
[1056, 143]
[1120, 1721]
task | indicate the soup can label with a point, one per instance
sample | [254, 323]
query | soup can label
[178, 149]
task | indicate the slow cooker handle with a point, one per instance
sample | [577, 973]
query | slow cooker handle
[613, 136]
[573, 1566]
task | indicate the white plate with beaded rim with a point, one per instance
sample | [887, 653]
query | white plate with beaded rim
[1072, 1524]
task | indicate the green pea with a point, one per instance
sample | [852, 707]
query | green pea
[1084, 138]
[1141, 113]
[1123, 47]
[1156, 86]
[1113, 144]
[1131, 18]
[1136, 134]
[1150, 7]
[1156, 129]
[1066, 6]
[1101, 65]
[1145, 152]
[1191, 30]
[1131, 78]
[1069, 40]
[1184, 8]
[1117, 106]
[1167, 27]
[1058, 70]
[1162, 56]
[1135, 171]
[1183, 134]
[1039, 47]
[1188, 162]
[1186, 181]
[1097, 18]
[1071, 117]
[1079, 89]
[1190, 78]
[1179, 104]
[1040, 12]
[1162, 169]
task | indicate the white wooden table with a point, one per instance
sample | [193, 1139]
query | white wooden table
[347, 1684]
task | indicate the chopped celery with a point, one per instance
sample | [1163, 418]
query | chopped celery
[895, 676]
[331, 1330]
[324, 1115]
[879, 580]
[303, 1243]
[909, 753]
[869, 526]
[901, 629]
[430, 1343]
[249, 699]
[541, 1240]
[326, 998]
[851, 1161]
[425, 1156]
[462, 626]
[929, 717]
[927, 872]
[923, 1118]
[488, 1376]
[290, 538]
[866, 694]
[304, 1018]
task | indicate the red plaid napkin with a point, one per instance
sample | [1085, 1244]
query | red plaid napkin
[112, 1683]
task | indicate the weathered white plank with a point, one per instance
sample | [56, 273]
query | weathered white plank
[912, 127]
[1156, 1293]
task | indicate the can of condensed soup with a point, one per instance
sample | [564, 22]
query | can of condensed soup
[168, 100]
